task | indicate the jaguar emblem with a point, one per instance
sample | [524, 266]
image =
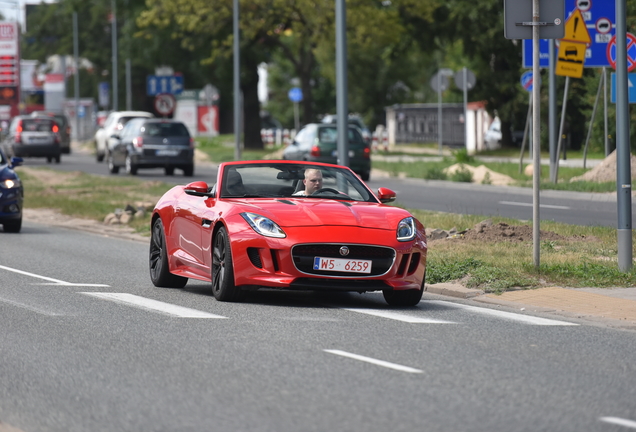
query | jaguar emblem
[344, 250]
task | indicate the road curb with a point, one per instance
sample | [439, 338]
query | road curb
[453, 290]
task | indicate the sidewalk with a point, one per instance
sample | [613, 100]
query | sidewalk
[615, 307]
[434, 157]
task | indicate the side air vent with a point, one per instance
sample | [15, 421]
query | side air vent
[255, 257]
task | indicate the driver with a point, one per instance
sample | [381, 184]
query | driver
[312, 182]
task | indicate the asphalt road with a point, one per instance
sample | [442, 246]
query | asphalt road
[87, 343]
[575, 208]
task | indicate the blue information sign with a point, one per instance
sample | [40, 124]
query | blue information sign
[631, 87]
[172, 84]
[295, 94]
[600, 20]
[527, 81]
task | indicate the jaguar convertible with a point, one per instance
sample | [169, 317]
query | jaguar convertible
[259, 226]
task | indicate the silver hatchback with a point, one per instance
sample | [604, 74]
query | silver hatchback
[33, 137]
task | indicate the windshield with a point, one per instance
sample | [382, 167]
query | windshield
[268, 180]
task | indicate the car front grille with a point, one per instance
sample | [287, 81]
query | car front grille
[382, 258]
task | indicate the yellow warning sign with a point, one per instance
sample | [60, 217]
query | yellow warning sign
[575, 28]
[570, 59]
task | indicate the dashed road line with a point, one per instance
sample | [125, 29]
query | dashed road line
[619, 421]
[376, 362]
[514, 203]
[399, 316]
[28, 307]
[153, 305]
[525, 319]
[54, 281]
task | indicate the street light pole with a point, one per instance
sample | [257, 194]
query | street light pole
[77, 68]
[114, 44]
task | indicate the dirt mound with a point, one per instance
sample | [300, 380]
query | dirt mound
[605, 171]
[481, 174]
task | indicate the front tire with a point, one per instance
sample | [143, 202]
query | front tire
[112, 168]
[223, 286]
[13, 226]
[159, 269]
[404, 297]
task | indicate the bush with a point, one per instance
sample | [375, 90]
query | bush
[435, 173]
[462, 175]
[462, 156]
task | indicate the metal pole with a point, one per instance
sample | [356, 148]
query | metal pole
[623, 157]
[589, 130]
[77, 68]
[439, 110]
[342, 107]
[607, 152]
[237, 85]
[465, 106]
[525, 134]
[296, 117]
[552, 110]
[536, 117]
[114, 44]
[555, 179]
[128, 68]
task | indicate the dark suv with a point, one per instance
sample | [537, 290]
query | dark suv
[65, 128]
[33, 137]
[152, 143]
[317, 142]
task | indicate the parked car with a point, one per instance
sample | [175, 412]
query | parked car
[11, 194]
[33, 137]
[317, 142]
[114, 124]
[152, 143]
[65, 128]
[249, 230]
[354, 120]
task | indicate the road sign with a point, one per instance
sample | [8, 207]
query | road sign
[295, 94]
[570, 59]
[575, 29]
[527, 81]
[631, 87]
[103, 95]
[518, 19]
[165, 104]
[631, 52]
[439, 82]
[156, 84]
[470, 79]
[599, 17]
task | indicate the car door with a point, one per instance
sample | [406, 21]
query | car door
[187, 226]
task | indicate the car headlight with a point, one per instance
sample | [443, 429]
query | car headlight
[406, 229]
[10, 183]
[263, 226]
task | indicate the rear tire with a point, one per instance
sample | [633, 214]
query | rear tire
[188, 171]
[169, 171]
[223, 286]
[13, 226]
[131, 168]
[58, 158]
[159, 268]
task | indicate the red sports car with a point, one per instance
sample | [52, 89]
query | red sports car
[289, 225]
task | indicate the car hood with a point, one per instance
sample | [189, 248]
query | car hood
[7, 173]
[311, 212]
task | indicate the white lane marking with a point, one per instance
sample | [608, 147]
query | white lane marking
[619, 421]
[398, 316]
[153, 305]
[55, 281]
[526, 319]
[374, 361]
[31, 308]
[514, 203]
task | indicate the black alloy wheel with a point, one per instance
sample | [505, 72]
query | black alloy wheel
[159, 269]
[223, 286]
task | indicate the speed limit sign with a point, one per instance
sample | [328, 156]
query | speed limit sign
[165, 104]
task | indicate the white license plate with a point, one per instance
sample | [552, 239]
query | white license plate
[167, 152]
[342, 265]
[335, 153]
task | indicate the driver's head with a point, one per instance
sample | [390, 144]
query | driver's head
[313, 180]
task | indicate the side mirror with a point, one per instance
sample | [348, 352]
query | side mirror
[16, 161]
[115, 136]
[386, 195]
[198, 188]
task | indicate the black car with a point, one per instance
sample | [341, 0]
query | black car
[11, 194]
[33, 137]
[65, 128]
[317, 142]
[152, 143]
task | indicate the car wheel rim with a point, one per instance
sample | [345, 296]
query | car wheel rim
[156, 250]
[218, 262]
